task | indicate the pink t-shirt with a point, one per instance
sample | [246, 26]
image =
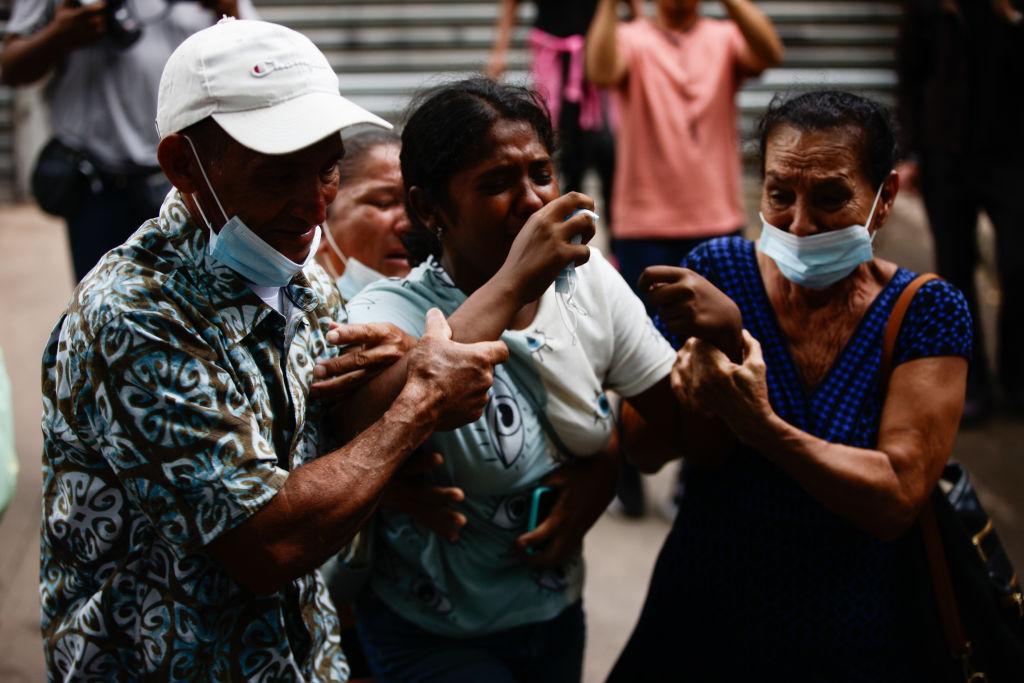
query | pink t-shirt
[678, 161]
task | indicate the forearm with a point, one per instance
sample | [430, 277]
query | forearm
[696, 438]
[487, 312]
[503, 28]
[861, 485]
[758, 31]
[324, 503]
[603, 61]
[26, 59]
[484, 316]
[657, 428]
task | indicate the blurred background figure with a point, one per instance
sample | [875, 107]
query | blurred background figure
[8, 458]
[579, 110]
[961, 106]
[99, 172]
[677, 182]
[366, 221]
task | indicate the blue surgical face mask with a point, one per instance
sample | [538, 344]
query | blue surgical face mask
[245, 252]
[818, 261]
[357, 274]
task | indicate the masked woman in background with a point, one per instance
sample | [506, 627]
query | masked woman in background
[365, 223]
[783, 560]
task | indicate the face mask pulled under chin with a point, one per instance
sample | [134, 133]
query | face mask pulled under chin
[818, 261]
[245, 252]
[356, 276]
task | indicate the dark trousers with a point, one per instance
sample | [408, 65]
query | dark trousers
[582, 149]
[109, 215]
[401, 652]
[955, 189]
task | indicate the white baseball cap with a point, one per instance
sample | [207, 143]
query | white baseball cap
[269, 87]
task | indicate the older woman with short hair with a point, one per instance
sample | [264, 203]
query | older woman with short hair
[366, 221]
[784, 558]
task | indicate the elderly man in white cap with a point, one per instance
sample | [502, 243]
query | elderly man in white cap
[190, 486]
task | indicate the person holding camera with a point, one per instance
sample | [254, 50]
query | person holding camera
[100, 172]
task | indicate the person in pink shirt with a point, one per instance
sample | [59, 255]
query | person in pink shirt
[677, 175]
[675, 76]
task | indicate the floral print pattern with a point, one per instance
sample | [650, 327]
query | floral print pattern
[175, 404]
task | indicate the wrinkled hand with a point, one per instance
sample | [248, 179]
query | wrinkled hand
[80, 25]
[690, 306]
[737, 393]
[542, 248]
[372, 347]
[585, 487]
[460, 374]
[411, 491]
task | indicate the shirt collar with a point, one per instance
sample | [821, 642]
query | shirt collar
[238, 308]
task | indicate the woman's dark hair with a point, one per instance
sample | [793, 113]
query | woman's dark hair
[357, 148]
[446, 130]
[829, 109]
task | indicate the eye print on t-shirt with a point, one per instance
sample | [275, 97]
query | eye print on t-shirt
[537, 342]
[429, 595]
[602, 407]
[510, 514]
[552, 580]
[505, 423]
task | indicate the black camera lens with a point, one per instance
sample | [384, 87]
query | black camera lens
[122, 26]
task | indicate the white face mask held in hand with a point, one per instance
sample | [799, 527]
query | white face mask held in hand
[818, 261]
[245, 252]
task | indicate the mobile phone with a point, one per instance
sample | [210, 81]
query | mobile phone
[541, 501]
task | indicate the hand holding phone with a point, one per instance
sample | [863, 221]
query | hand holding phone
[541, 502]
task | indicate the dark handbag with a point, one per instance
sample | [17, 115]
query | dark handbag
[975, 592]
[62, 177]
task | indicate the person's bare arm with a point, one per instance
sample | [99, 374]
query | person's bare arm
[502, 37]
[763, 45]
[880, 490]
[26, 59]
[605, 64]
[657, 428]
[538, 254]
[661, 423]
[324, 503]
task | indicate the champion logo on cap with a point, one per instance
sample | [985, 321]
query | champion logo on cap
[261, 69]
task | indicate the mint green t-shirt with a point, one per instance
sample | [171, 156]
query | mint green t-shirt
[560, 367]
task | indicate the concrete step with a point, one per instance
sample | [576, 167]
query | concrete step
[383, 60]
[384, 51]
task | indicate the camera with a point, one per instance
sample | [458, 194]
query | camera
[122, 26]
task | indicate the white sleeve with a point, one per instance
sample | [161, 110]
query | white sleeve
[640, 355]
[28, 16]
